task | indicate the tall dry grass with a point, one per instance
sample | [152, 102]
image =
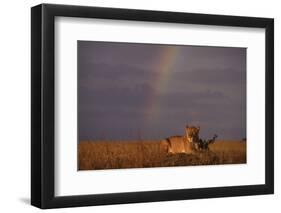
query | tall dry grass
[135, 154]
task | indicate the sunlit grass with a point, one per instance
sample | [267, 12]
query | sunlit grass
[144, 154]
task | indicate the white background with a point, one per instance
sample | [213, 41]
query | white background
[15, 106]
[70, 182]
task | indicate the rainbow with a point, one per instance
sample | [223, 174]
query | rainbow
[163, 67]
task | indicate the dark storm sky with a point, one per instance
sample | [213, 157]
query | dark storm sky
[125, 92]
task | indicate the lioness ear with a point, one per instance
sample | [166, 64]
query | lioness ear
[198, 127]
[186, 126]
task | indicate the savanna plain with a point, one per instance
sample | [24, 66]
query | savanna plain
[96, 155]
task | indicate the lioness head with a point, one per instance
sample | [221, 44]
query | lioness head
[192, 133]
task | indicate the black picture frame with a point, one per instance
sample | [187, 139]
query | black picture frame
[43, 102]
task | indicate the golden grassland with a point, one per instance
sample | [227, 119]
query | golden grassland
[144, 154]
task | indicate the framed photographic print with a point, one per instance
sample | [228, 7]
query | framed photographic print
[139, 106]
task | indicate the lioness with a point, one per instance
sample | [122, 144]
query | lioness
[182, 144]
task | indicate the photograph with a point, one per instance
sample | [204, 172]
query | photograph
[143, 105]
[139, 105]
